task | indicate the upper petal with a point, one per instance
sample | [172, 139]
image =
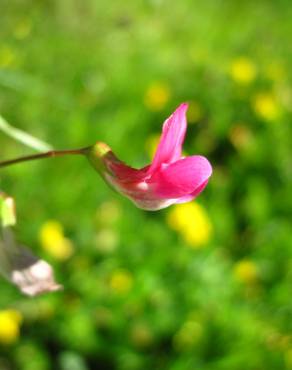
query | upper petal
[173, 133]
[188, 176]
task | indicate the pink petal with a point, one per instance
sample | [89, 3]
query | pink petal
[173, 133]
[186, 177]
[190, 197]
[120, 170]
[125, 174]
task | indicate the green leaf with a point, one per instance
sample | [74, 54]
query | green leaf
[23, 137]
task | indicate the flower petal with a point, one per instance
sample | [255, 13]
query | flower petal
[107, 164]
[173, 133]
[186, 177]
[194, 194]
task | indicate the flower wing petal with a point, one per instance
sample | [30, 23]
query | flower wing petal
[184, 178]
[194, 194]
[173, 134]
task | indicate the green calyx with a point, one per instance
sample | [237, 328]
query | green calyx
[99, 155]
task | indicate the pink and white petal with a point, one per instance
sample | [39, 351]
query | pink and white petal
[126, 174]
[188, 176]
[173, 133]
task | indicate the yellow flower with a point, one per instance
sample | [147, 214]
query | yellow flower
[7, 56]
[121, 282]
[243, 71]
[179, 216]
[246, 271]
[199, 235]
[195, 112]
[54, 242]
[157, 95]
[192, 222]
[266, 106]
[10, 321]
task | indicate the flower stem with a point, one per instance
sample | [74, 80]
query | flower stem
[49, 154]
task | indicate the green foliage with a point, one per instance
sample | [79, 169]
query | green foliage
[23, 137]
[139, 292]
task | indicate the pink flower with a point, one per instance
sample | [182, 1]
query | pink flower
[170, 178]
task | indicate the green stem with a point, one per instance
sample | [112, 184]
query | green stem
[50, 154]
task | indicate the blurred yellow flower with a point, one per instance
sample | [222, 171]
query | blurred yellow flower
[53, 241]
[157, 95]
[7, 56]
[195, 112]
[106, 240]
[266, 106]
[151, 144]
[180, 215]
[192, 222]
[108, 212]
[121, 281]
[188, 336]
[246, 271]
[243, 70]
[10, 321]
[199, 235]
[240, 136]
[22, 29]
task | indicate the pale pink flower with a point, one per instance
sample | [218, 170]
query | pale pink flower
[170, 178]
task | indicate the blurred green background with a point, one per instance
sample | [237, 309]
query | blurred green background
[201, 286]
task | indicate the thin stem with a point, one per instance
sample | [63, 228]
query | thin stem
[50, 154]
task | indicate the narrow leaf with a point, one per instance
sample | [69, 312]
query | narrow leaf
[23, 137]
